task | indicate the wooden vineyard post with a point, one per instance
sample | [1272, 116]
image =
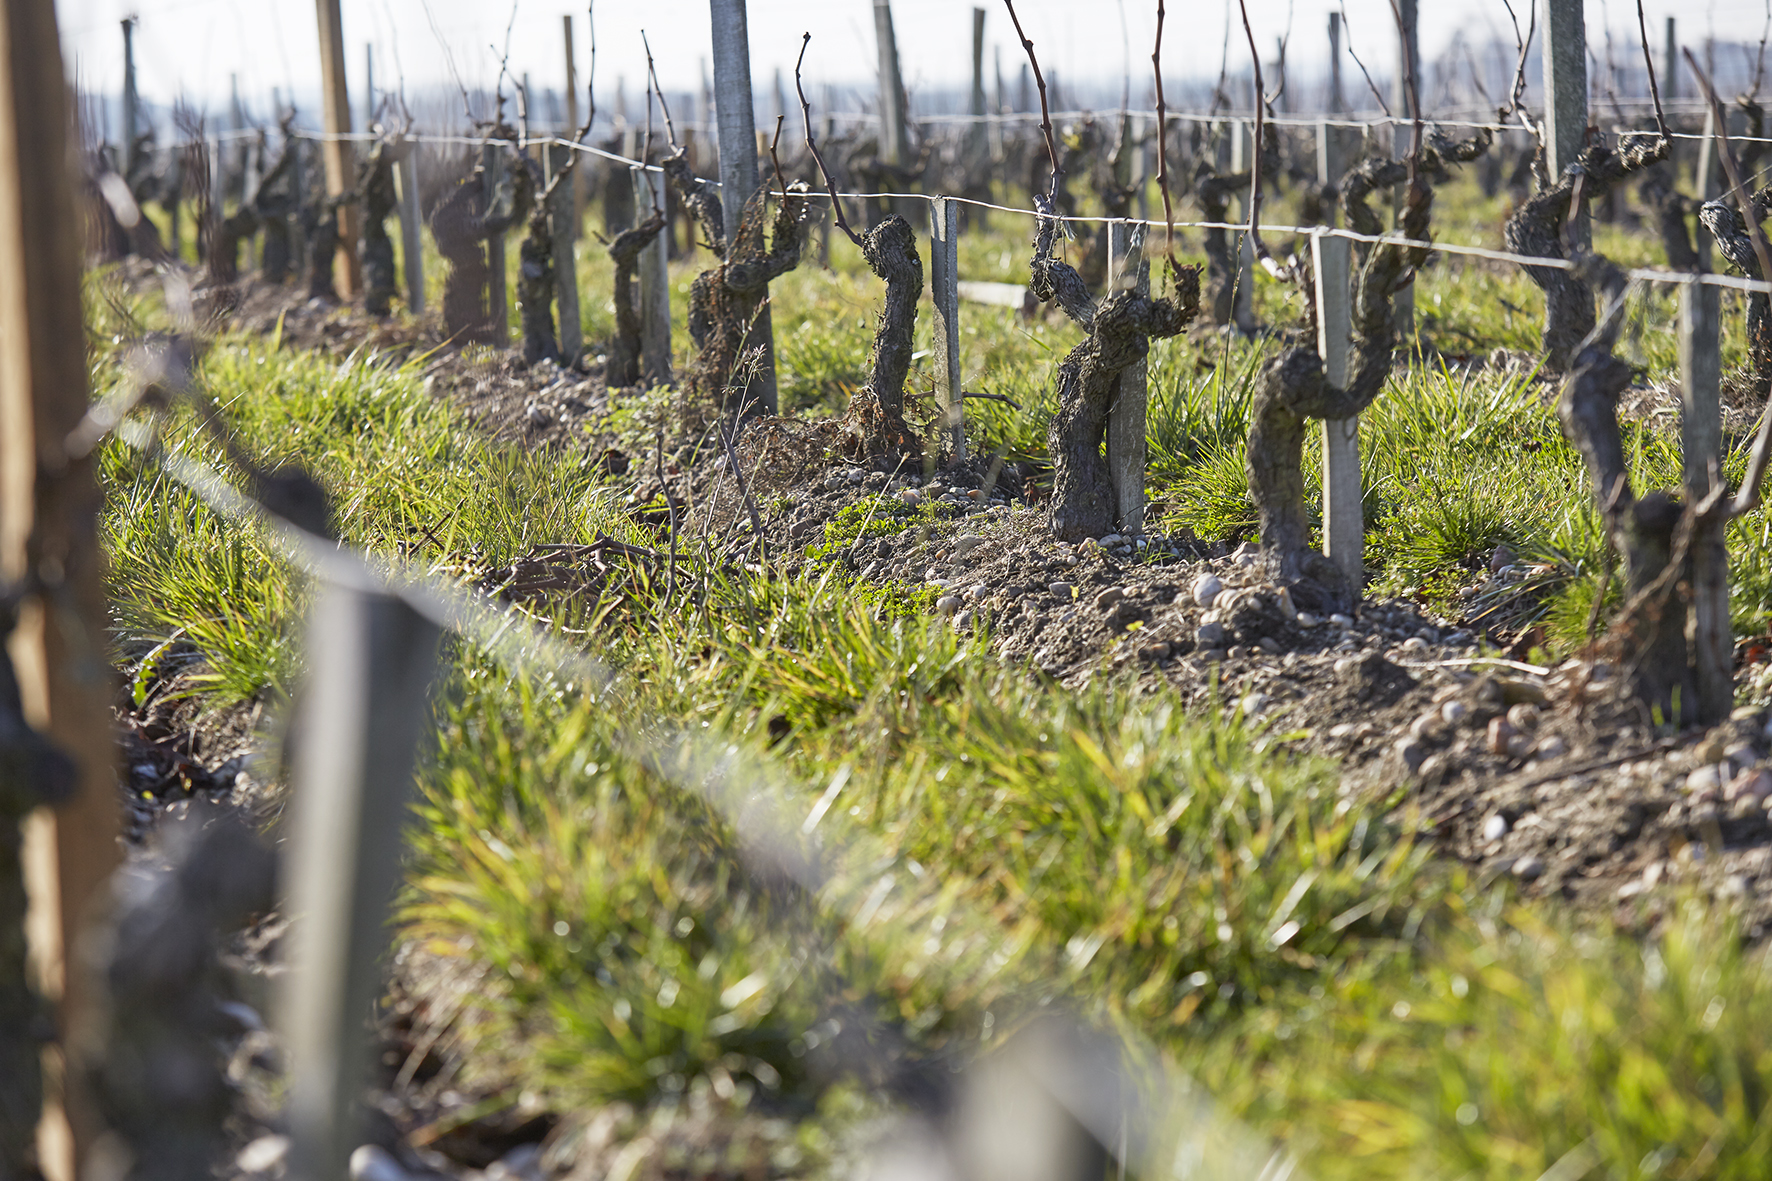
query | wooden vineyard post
[978, 139]
[736, 123]
[411, 235]
[1128, 270]
[895, 141]
[498, 306]
[563, 226]
[335, 149]
[1701, 449]
[368, 705]
[944, 290]
[1243, 299]
[1344, 522]
[1408, 64]
[576, 184]
[655, 284]
[131, 101]
[1565, 89]
[49, 512]
[1708, 179]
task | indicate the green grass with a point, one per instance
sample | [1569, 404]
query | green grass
[995, 843]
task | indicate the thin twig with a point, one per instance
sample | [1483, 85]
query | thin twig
[1411, 89]
[1347, 33]
[992, 398]
[1045, 110]
[812, 147]
[781, 182]
[1261, 250]
[671, 508]
[1649, 64]
[652, 72]
[1163, 144]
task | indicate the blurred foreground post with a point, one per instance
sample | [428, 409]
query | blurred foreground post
[1406, 96]
[366, 705]
[49, 556]
[1565, 91]
[498, 305]
[1128, 271]
[736, 122]
[341, 172]
[1344, 524]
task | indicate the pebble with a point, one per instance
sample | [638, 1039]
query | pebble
[1269, 645]
[1523, 717]
[1426, 724]
[1346, 666]
[980, 593]
[1501, 732]
[1341, 730]
[1111, 540]
[1454, 712]
[1754, 785]
[1158, 651]
[373, 1163]
[883, 549]
[948, 604]
[1206, 590]
[1529, 867]
[833, 482]
[910, 496]
[1741, 755]
[1254, 704]
[1306, 619]
[975, 494]
[1495, 827]
[1086, 546]
[965, 544]
[1708, 751]
[1415, 646]
[1210, 634]
[1341, 621]
[1061, 590]
[1705, 779]
[263, 1154]
[1551, 748]
[855, 475]
[1412, 752]
[1109, 598]
[1284, 601]
[962, 619]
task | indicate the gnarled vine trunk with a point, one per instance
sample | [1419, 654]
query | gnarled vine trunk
[875, 422]
[1730, 232]
[1083, 502]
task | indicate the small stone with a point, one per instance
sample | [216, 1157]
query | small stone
[1454, 712]
[1253, 704]
[1551, 748]
[1341, 621]
[979, 593]
[1412, 752]
[1709, 751]
[801, 530]
[975, 494]
[1428, 635]
[1109, 598]
[1087, 546]
[1341, 730]
[1246, 561]
[1501, 559]
[1060, 590]
[1206, 590]
[1415, 646]
[1704, 779]
[1269, 645]
[1210, 634]
[910, 496]
[1237, 652]
[962, 619]
[1523, 717]
[1346, 666]
[965, 544]
[948, 604]
[1284, 601]
[1519, 746]
[1154, 652]
[1111, 541]
[1501, 732]
[883, 549]
[1428, 723]
[1754, 785]
[1653, 873]
[1741, 755]
[1306, 619]
[1495, 827]
[1529, 867]
[855, 475]
[374, 1163]
[1629, 890]
[263, 1154]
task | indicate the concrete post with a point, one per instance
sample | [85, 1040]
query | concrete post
[1128, 270]
[655, 284]
[1565, 89]
[1344, 525]
[340, 160]
[1701, 449]
[895, 143]
[944, 290]
[736, 121]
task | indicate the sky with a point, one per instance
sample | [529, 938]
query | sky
[194, 47]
